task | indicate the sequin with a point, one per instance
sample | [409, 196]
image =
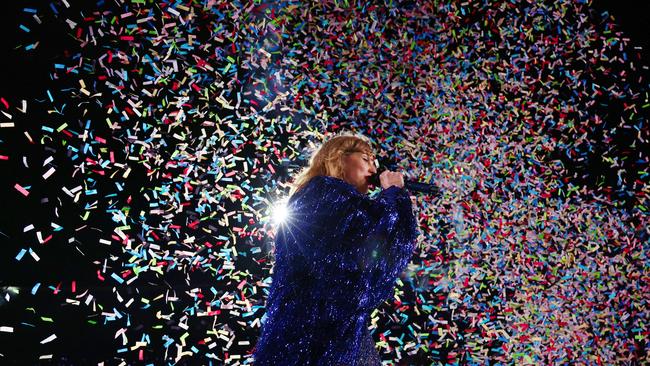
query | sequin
[336, 260]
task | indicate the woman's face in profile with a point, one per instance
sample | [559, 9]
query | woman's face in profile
[358, 167]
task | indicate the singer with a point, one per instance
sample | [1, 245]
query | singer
[336, 259]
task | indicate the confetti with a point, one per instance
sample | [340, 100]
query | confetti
[48, 173]
[174, 129]
[21, 189]
[49, 339]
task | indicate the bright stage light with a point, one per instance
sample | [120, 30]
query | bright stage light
[280, 212]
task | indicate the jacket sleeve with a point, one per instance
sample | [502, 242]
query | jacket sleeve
[355, 245]
[391, 234]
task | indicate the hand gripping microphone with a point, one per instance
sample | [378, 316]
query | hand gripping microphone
[411, 185]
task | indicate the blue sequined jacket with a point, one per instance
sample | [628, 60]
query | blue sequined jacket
[336, 259]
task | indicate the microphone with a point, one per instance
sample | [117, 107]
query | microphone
[411, 185]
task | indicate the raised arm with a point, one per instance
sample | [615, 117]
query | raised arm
[353, 241]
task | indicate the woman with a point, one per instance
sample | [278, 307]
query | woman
[336, 259]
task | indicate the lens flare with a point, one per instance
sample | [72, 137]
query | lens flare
[280, 212]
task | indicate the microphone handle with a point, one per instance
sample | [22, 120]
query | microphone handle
[413, 186]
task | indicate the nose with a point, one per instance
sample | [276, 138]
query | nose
[373, 169]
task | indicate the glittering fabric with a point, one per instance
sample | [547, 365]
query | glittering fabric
[336, 259]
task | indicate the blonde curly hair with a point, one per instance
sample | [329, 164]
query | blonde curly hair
[328, 158]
